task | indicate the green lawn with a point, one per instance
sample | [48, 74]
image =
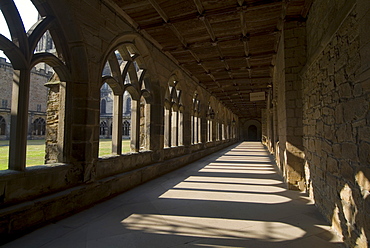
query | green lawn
[105, 147]
[36, 151]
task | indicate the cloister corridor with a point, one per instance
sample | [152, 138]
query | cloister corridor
[233, 198]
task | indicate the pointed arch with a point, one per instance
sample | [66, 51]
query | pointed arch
[129, 74]
[173, 112]
[20, 50]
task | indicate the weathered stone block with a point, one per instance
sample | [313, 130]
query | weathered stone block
[357, 90]
[329, 133]
[327, 147]
[339, 114]
[345, 90]
[364, 153]
[332, 165]
[347, 171]
[364, 133]
[349, 151]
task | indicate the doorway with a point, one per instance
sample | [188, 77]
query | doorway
[252, 133]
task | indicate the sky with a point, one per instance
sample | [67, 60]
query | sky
[28, 14]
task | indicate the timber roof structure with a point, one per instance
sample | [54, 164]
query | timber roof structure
[228, 46]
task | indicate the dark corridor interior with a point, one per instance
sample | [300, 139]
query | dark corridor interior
[252, 133]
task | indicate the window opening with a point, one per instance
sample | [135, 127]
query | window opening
[126, 123]
[106, 116]
[39, 98]
[2, 125]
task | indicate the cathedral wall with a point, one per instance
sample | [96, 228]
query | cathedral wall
[38, 91]
[337, 115]
[37, 96]
[6, 79]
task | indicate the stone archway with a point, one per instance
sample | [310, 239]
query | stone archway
[251, 130]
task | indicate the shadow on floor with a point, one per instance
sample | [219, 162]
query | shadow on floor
[233, 198]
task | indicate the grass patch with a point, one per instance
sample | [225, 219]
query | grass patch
[4, 154]
[36, 151]
[105, 147]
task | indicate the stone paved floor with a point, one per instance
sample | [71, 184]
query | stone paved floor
[233, 198]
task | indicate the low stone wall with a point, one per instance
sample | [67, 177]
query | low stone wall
[55, 192]
[36, 181]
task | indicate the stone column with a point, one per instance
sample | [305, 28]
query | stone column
[19, 120]
[181, 128]
[52, 123]
[81, 128]
[167, 127]
[117, 124]
[135, 126]
[156, 130]
[290, 154]
[174, 128]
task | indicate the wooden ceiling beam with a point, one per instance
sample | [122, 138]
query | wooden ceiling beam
[159, 10]
[238, 88]
[220, 40]
[306, 8]
[256, 56]
[199, 6]
[242, 81]
[214, 12]
[211, 33]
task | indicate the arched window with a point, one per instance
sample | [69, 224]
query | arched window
[2, 125]
[39, 126]
[103, 128]
[128, 106]
[128, 96]
[103, 106]
[126, 128]
[195, 120]
[210, 117]
[27, 43]
[173, 116]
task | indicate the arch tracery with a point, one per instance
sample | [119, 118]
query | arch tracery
[125, 72]
[173, 113]
[20, 49]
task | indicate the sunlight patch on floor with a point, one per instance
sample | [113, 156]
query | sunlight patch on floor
[229, 187]
[221, 196]
[240, 167]
[240, 171]
[233, 180]
[217, 228]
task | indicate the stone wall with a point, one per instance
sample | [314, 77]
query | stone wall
[38, 91]
[291, 58]
[52, 121]
[6, 82]
[337, 117]
[38, 94]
